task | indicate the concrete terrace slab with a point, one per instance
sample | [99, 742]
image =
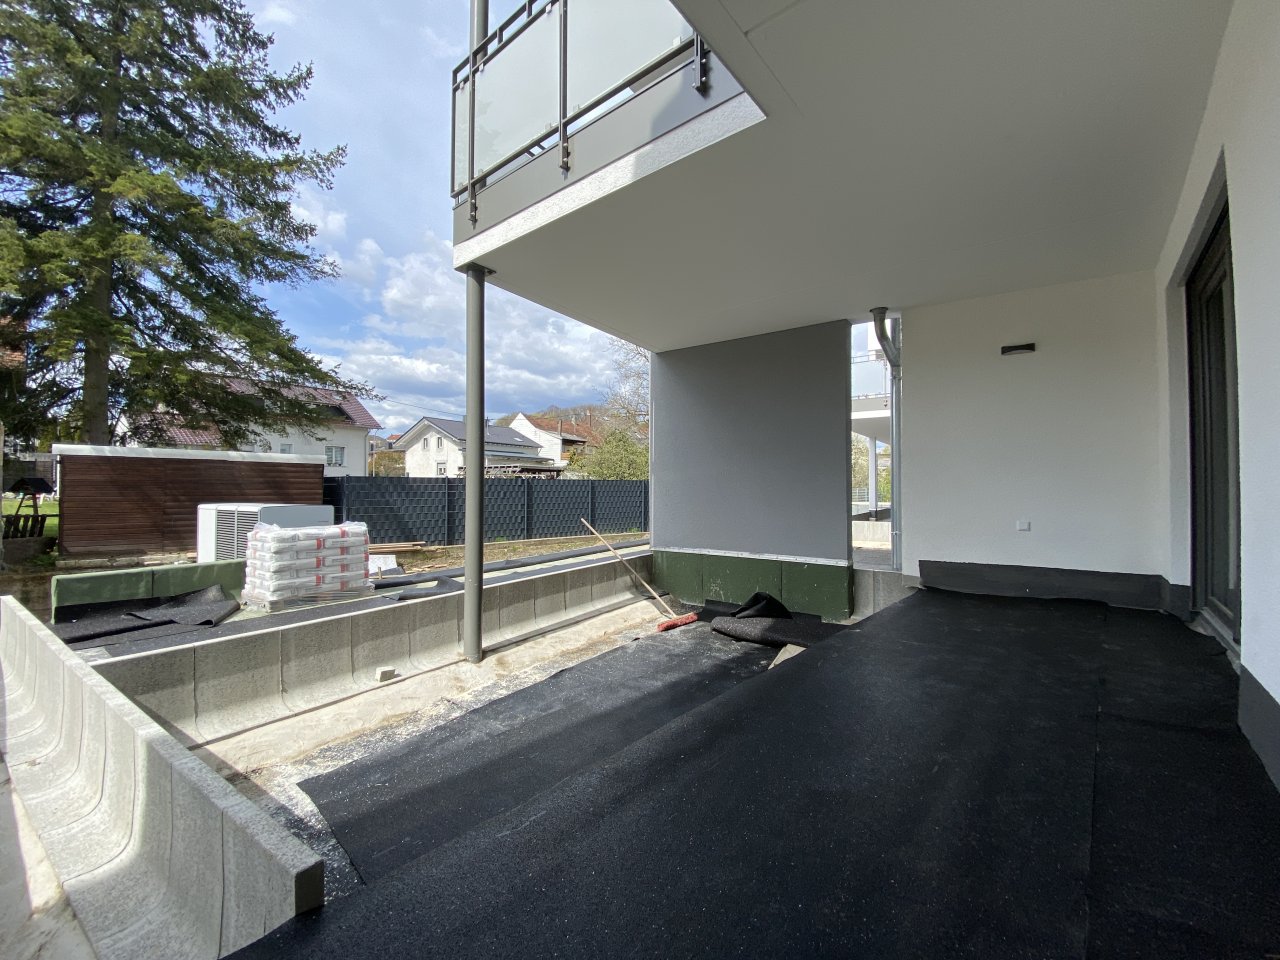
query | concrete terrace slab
[955, 776]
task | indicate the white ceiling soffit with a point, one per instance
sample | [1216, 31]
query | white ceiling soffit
[913, 152]
[877, 424]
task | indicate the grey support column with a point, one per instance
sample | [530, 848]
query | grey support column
[473, 549]
[873, 473]
[479, 21]
[473, 559]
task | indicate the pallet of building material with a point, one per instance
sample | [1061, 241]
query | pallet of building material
[287, 567]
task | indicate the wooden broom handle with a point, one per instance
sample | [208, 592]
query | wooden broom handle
[670, 613]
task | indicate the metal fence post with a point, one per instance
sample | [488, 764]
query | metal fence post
[528, 533]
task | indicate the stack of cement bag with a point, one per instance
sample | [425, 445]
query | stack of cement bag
[295, 565]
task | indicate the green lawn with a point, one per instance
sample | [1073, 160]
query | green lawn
[49, 509]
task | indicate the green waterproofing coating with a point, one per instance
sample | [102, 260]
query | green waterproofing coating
[143, 583]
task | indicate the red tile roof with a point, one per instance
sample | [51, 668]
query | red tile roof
[347, 411]
[350, 407]
[187, 436]
[564, 429]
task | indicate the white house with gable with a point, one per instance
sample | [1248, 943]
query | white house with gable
[557, 438]
[343, 440]
[435, 447]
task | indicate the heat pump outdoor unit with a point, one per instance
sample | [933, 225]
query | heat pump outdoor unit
[222, 529]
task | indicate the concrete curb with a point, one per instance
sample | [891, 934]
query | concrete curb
[213, 689]
[159, 856]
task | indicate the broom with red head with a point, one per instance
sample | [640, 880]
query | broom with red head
[675, 621]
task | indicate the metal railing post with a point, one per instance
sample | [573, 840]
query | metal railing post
[479, 30]
[873, 477]
[564, 85]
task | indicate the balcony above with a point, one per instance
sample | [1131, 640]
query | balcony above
[910, 152]
[561, 90]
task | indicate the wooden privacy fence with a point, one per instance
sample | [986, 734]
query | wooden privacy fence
[125, 500]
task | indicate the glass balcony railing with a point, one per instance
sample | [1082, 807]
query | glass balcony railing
[550, 69]
[870, 375]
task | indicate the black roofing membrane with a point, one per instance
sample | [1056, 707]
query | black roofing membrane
[957, 776]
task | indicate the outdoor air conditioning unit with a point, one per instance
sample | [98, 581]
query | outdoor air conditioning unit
[222, 529]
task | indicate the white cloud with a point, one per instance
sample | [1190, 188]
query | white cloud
[310, 205]
[364, 266]
[277, 11]
[534, 358]
[423, 288]
[437, 46]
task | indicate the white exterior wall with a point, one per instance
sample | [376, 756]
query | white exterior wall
[421, 461]
[549, 444]
[1065, 437]
[1240, 135]
[354, 439]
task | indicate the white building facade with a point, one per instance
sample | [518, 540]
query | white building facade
[436, 447]
[554, 443]
[344, 448]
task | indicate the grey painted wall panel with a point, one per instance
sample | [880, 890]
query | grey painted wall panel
[750, 445]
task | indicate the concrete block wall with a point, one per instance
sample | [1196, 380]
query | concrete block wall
[160, 857]
[206, 691]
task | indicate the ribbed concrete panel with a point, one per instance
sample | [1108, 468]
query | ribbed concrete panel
[211, 690]
[135, 826]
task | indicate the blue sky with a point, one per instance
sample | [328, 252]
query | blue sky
[396, 319]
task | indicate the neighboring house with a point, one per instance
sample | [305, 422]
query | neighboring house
[557, 438]
[377, 443]
[343, 441]
[434, 447]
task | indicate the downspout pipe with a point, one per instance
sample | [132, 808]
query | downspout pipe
[891, 344]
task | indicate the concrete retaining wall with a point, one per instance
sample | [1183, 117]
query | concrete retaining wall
[160, 857]
[876, 589]
[209, 690]
[873, 530]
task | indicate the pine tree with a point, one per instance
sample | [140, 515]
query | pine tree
[144, 207]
